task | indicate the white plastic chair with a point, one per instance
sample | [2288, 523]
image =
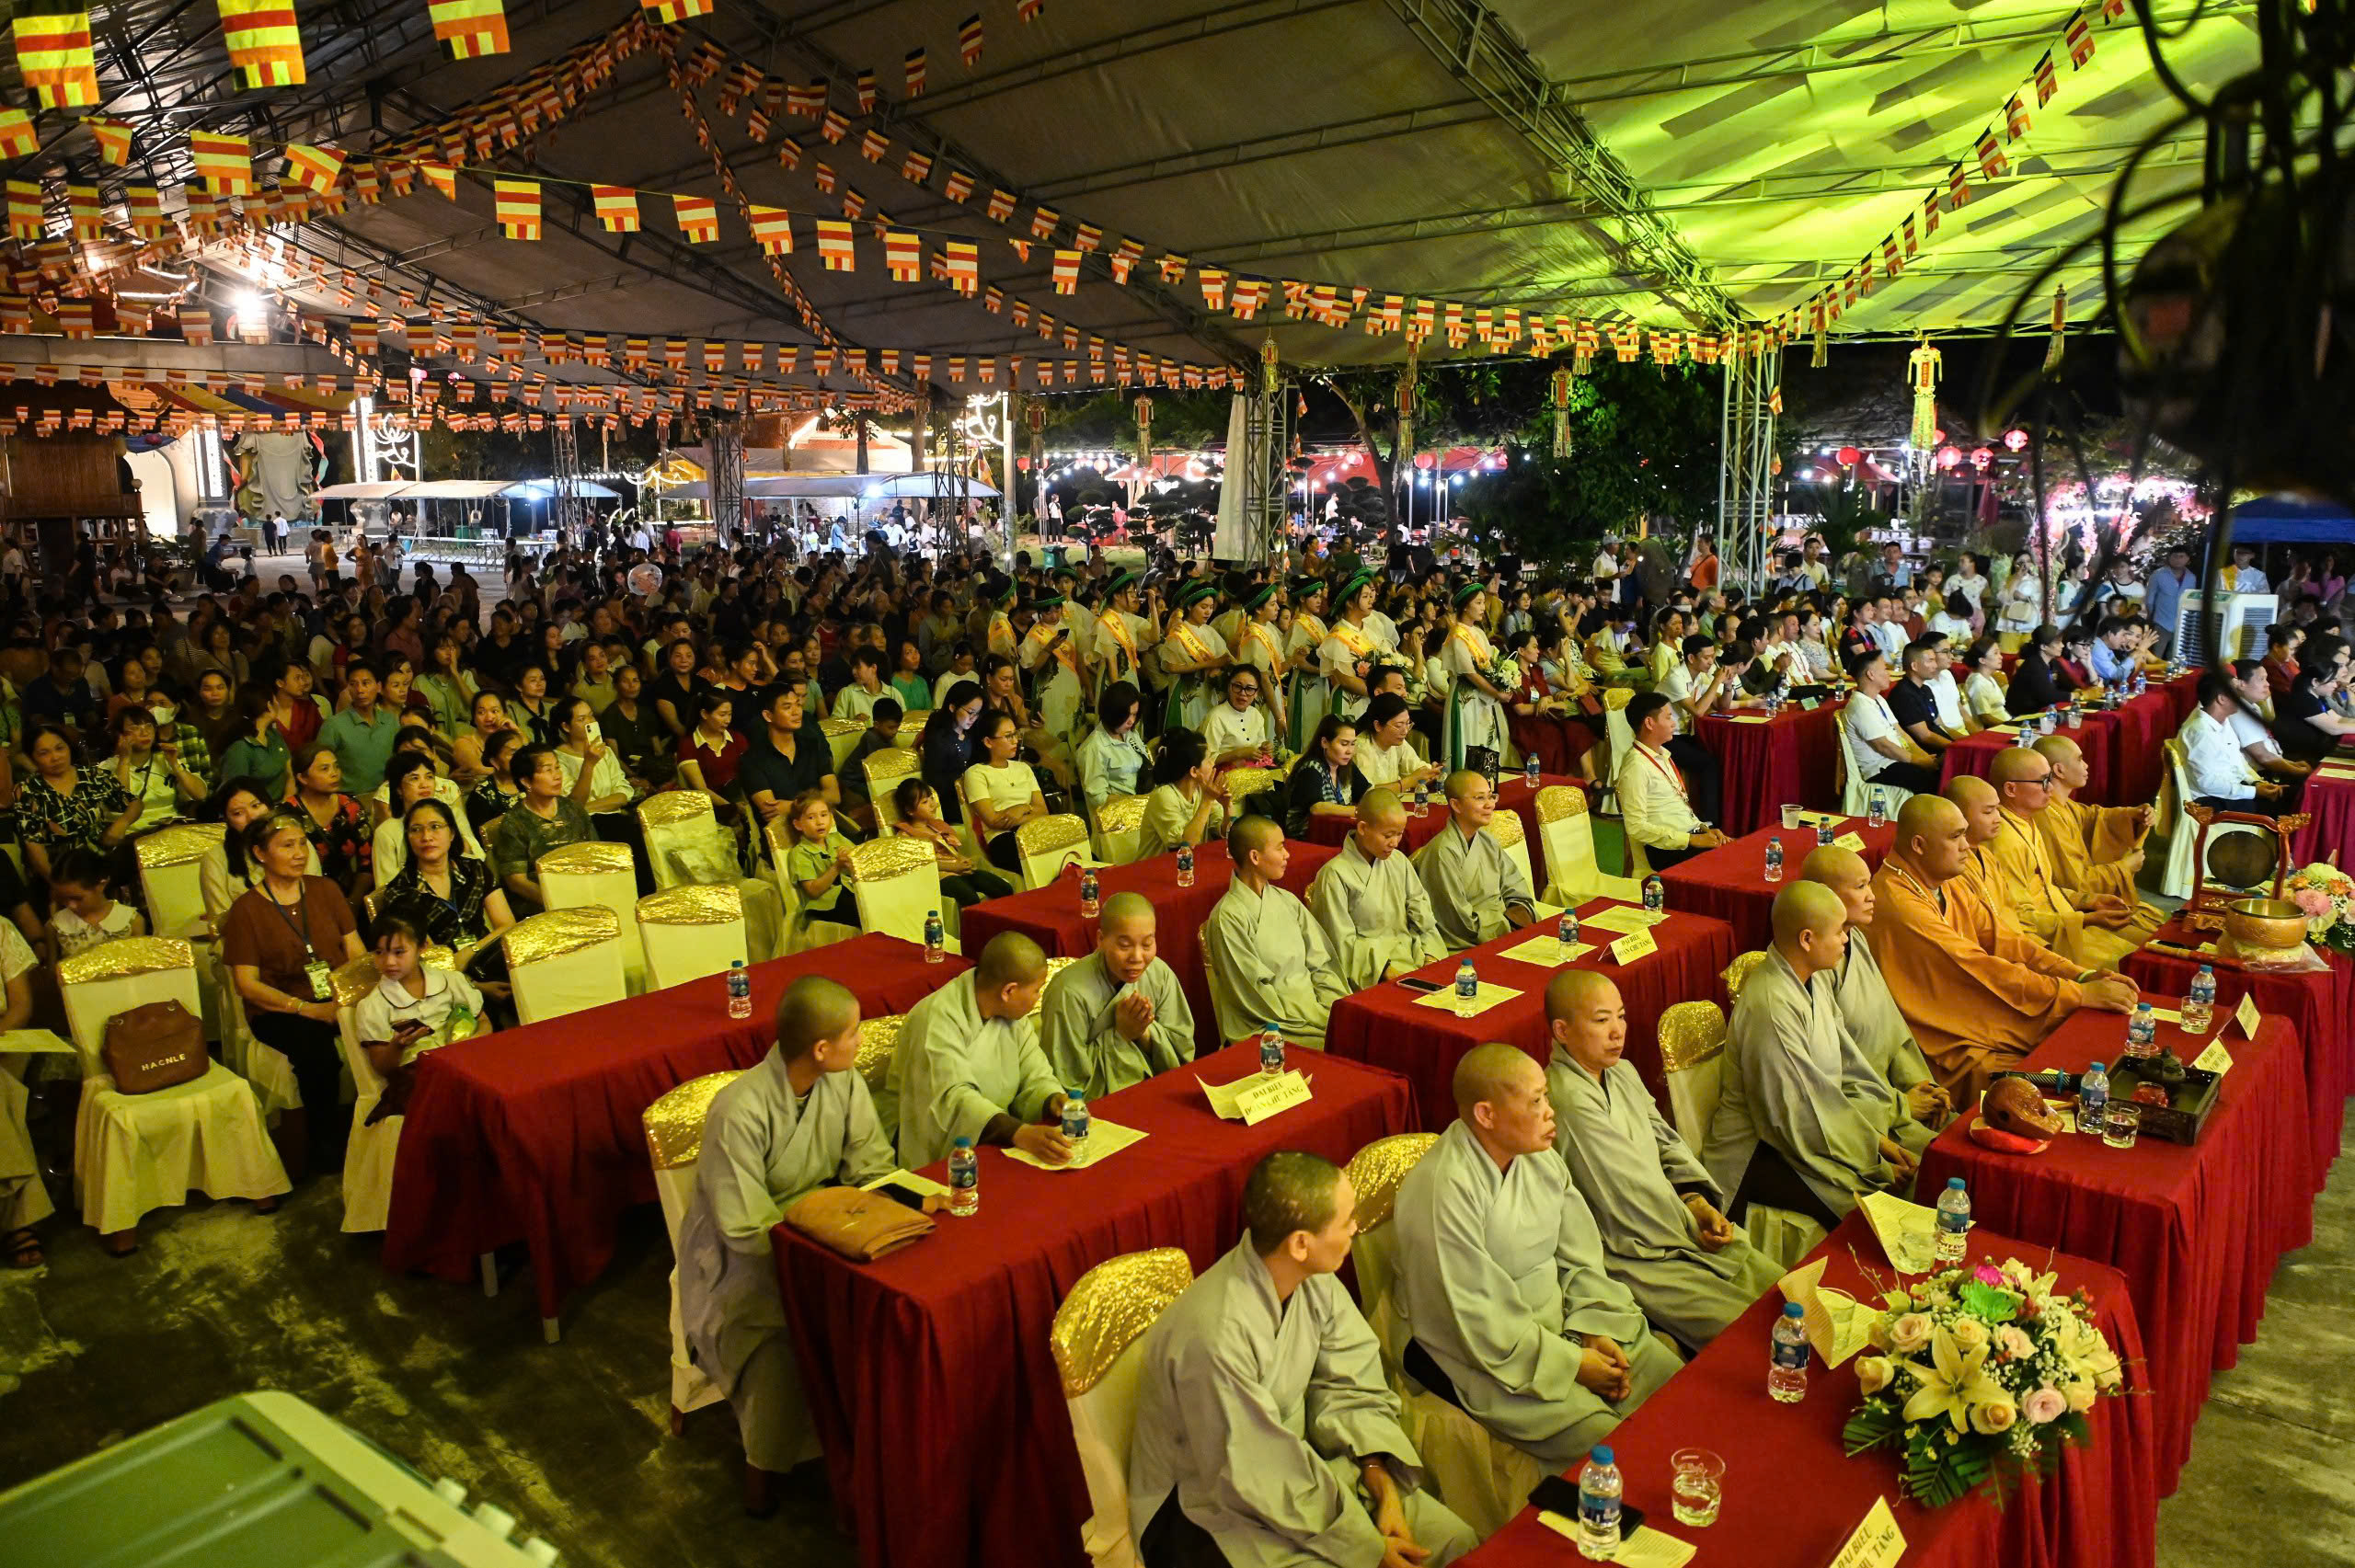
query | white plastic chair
[1044, 845]
[1095, 1340]
[884, 770]
[595, 875]
[675, 1141]
[896, 883]
[371, 1152]
[1120, 825]
[2180, 874]
[687, 846]
[691, 932]
[1693, 1053]
[1856, 790]
[1566, 831]
[566, 961]
[797, 936]
[137, 1152]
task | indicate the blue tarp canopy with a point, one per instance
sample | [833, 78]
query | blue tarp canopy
[2279, 520]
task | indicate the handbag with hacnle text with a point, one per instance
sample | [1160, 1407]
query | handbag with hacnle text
[153, 1046]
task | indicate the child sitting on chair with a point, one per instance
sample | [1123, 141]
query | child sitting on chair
[413, 1010]
[961, 879]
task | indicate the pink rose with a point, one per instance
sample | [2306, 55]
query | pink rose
[2314, 901]
[2044, 1406]
[2014, 1342]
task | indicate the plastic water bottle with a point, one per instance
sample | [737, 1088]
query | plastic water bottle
[1773, 860]
[1272, 1049]
[1823, 834]
[2142, 1033]
[2200, 1001]
[2093, 1094]
[1076, 1115]
[936, 939]
[1787, 1368]
[1529, 770]
[1655, 893]
[1091, 892]
[1953, 1223]
[2027, 736]
[964, 1178]
[1599, 1488]
[1467, 987]
[2044, 722]
[1876, 808]
[1184, 866]
[1423, 795]
[740, 990]
[1566, 932]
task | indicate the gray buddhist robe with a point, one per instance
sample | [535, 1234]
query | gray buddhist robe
[1471, 882]
[1883, 1050]
[1255, 1412]
[763, 1150]
[1500, 1277]
[1079, 1029]
[1375, 913]
[953, 1071]
[1270, 964]
[1632, 1168]
[1785, 1083]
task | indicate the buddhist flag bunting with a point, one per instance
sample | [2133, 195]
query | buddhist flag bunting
[903, 256]
[617, 207]
[25, 209]
[225, 164]
[674, 12]
[1958, 189]
[18, 137]
[915, 72]
[873, 146]
[834, 247]
[963, 259]
[82, 209]
[471, 27]
[1213, 282]
[1001, 206]
[808, 102]
[958, 187]
[916, 168]
[442, 177]
[516, 203]
[317, 168]
[834, 125]
[698, 218]
[1043, 222]
[263, 41]
[114, 139]
[53, 55]
[1066, 271]
[969, 40]
[2047, 83]
[146, 205]
[866, 83]
[2015, 118]
[1992, 162]
[773, 227]
[2079, 36]
[1028, 9]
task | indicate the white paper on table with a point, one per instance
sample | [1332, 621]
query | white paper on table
[2167, 1015]
[33, 1042]
[1626, 918]
[1547, 952]
[1642, 1547]
[1233, 1101]
[1838, 1325]
[1486, 997]
[1907, 1231]
[923, 1186]
[1104, 1139]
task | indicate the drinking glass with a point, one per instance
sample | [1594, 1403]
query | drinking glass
[1790, 817]
[1698, 1485]
[2121, 1122]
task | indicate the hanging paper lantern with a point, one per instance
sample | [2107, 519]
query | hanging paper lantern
[1948, 457]
[2015, 440]
[1022, 465]
[1980, 457]
[1847, 456]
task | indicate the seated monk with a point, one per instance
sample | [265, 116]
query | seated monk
[2093, 930]
[2094, 851]
[1983, 819]
[1883, 1040]
[1979, 993]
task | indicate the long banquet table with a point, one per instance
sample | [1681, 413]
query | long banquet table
[1767, 765]
[929, 1371]
[1728, 883]
[534, 1135]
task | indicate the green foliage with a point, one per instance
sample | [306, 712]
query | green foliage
[1996, 1306]
[1108, 422]
[1845, 514]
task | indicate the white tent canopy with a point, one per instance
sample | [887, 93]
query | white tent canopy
[459, 490]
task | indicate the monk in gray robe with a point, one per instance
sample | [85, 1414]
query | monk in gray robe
[1265, 1436]
[1501, 1273]
[1119, 1017]
[1477, 891]
[797, 1121]
[968, 1064]
[1690, 1271]
[1882, 1038]
[1268, 962]
[1372, 904]
[1792, 1129]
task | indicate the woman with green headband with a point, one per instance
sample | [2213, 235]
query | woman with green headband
[1309, 693]
[1261, 645]
[1476, 705]
[1192, 653]
[1048, 648]
[1348, 655]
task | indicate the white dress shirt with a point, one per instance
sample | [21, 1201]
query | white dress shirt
[1654, 808]
[1868, 719]
[2218, 770]
[1950, 703]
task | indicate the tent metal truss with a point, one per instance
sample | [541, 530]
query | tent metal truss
[723, 438]
[563, 476]
[1745, 468]
[1264, 472]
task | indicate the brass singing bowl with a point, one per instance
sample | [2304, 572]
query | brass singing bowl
[2269, 924]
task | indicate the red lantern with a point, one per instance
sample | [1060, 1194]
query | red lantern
[1948, 457]
[2015, 440]
[1022, 463]
[1424, 460]
[1980, 457]
[1847, 456]
[1936, 435]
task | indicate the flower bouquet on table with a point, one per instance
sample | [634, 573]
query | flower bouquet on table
[2328, 896]
[1981, 1373]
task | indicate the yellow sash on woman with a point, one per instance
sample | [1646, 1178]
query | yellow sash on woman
[1357, 639]
[1114, 624]
[1310, 633]
[1191, 647]
[1065, 655]
[1483, 655]
[1000, 622]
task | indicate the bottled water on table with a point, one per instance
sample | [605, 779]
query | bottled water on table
[2142, 1033]
[2093, 1093]
[1773, 860]
[2027, 736]
[1467, 987]
[1655, 893]
[1184, 866]
[1271, 1050]
[964, 1178]
[1823, 834]
[1599, 1488]
[1787, 1368]
[1090, 891]
[936, 939]
[2200, 1001]
[1566, 933]
[2044, 722]
[1075, 1115]
[1876, 812]
[1529, 770]
[1953, 1223]
[740, 990]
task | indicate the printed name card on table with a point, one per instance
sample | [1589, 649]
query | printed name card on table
[1877, 1543]
[1633, 945]
[1807, 705]
[2246, 1015]
[1852, 839]
[1254, 1099]
[2215, 1059]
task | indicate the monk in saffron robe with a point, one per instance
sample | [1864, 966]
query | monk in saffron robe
[1979, 993]
[2095, 850]
[2093, 930]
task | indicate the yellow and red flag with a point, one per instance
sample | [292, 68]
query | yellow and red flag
[903, 256]
[969, 40]
[25, 219]
[263, 41]
[470, 28]
[675, 11]
[146, 205]
[317, 169]
[114, 138]
[225, 164]
[1066, 271]
[53, 54]
[82, 207]
[18, 137]
[773, 227]
[617, 207]
[516, 202]
[963, 260]
[835, 245]
[698, 218]
[442, 177]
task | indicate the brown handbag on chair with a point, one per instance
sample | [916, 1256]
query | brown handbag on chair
[154, 1046]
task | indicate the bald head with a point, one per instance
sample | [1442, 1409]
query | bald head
[1848, 878]
[1007, 978]
[1572, 988]
[2022, 777]
[1981, 808]
[1810, 927]
[1492, 1073]
[1587, 1019]
[1128, 909]
[2058, 749]
[1381, 826]
[1932, 837]
[1377, 807]
[2069, 771]
[1463, 781]
[1288, 1192]
[813, 1011]
[1251, 836]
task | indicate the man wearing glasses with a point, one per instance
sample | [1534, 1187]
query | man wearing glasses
[2094, 929]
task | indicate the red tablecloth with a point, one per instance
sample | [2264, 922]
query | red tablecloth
[1387, 1025]
[2196, 1230]
[2137, 757]
[1793, 1496]
[1051, 916]
[2320, 1005]
[534, 1135]
[929, 1372]
[1513, 795]
[2093, 734]
[1786, 760]
[2329, 800]
[1728, 883]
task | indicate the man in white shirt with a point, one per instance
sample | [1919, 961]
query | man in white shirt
[1654, 803]
[2247, 722]
[2242, 576]
[2221, 776]
[1944, 693]
[1877, 747]
[1888, 627]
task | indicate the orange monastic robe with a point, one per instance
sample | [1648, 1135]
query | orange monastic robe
[2022, 875]
[2087, 845]
[1977, 993]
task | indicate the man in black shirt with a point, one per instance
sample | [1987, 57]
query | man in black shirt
[787, 757]
[1914, 706]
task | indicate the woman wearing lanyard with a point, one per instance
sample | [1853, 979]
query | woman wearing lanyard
[450, 894]
[281, 942]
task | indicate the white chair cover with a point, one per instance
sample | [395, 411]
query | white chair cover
[264, 1067]
[1045, 844]
[1565, 830]
[599, 876]
[1857, 791]
[137, 1152]
[896, 882]
[2180, 875]
[171, 876]
[674, 1142]
[370, 1154]
[842, 737]
[685, 842]
[1120, 825]
[884, 770]
[690, 933]
[1097, 1340]
[793, 935]
[565, 961]
[1506, 827]
[1692, 1051]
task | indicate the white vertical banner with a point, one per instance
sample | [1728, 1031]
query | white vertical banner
[1232, 539]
